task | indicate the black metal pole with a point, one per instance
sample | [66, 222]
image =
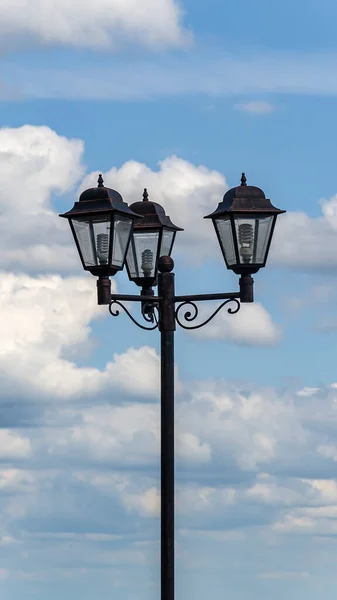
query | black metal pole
[167, 328]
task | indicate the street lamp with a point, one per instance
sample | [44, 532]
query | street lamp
[101, 223]
[244, 222]
[152, 237]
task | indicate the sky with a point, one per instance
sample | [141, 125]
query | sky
[180, 98]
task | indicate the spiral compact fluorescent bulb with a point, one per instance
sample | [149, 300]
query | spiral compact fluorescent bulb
[147, 262]
[102, 248]
[246, 239]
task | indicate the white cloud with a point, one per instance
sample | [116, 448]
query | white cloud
[17, 480]
[252, 325]
[13, 445]
[326, 489]
[214, 424]
[314, 507]
[220, 430]
[329, 210]
[298, 522]
[35, 163]
[103, 24]
[328, 451]
[196, 499]
[275, 493]
[252, 429]
[137, 371]
[191, 450]
[307, 392]
[124, 435]
[40, 319]
[256, 107]
[146, 503]
[298, 239]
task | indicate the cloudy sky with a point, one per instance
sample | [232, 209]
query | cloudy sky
[178, 97]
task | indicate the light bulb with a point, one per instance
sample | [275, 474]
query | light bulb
[246, 239]
[102, 248]
[147, 262]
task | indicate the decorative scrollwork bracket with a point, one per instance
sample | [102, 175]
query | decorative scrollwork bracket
[190, 316]
[149, 313]
[153, 309]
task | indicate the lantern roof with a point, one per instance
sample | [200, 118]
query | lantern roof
[152, 214]
[99, 199]
[244, 199]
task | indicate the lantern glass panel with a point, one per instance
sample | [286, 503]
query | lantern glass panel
[142, 254]
[166, 242]
[253, 235]
[93, 234]
[121, 236]
[224, 230]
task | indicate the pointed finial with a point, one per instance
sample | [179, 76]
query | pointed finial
[145, 195]
[100, 181]
[243, 179]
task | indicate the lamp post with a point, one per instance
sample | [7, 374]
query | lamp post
[108, 233]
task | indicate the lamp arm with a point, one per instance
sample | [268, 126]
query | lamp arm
[202, 297]
[132, 298]
[153, 307]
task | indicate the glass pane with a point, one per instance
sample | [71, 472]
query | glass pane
[101, 232]
[122, 228]
[263, 237]
[142, 254]
[131, 259]
[224, 229]
[166, 243]
[93, 238]
[253, 235]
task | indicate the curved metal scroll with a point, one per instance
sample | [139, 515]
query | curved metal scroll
[148, 315]
[191, 316]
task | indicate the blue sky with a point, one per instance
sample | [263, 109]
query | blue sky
[178, 98]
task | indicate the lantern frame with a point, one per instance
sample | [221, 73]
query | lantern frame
[250, 203]
[108, 205]
[154, 220]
